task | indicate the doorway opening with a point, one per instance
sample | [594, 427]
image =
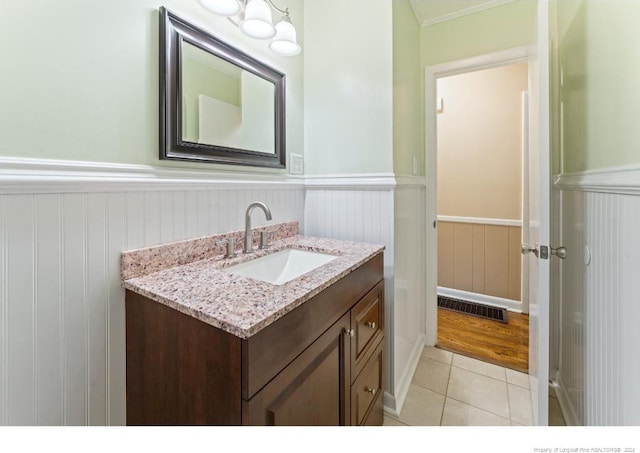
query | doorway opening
[476, 186]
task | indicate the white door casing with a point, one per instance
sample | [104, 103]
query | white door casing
[432, 74]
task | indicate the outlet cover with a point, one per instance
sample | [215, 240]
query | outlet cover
[297, 164]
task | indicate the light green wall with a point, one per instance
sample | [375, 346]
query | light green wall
[599, 57]
[80, 78]
[499, 28]
[408, 100]
[348, 86]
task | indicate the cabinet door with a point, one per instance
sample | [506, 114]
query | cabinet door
[314, 389]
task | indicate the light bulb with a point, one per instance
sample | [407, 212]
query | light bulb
[222, 7]
[257, 20]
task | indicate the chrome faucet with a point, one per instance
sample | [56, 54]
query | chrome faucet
[248, 237]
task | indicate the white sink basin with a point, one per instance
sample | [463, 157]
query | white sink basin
[281, 267]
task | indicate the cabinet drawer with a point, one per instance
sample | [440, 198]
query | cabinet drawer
[366, 391]
[367, 322]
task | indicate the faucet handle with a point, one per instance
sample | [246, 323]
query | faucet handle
[264, 239]
[230, 244]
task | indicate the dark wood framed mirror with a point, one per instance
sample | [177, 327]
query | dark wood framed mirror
[217, 104]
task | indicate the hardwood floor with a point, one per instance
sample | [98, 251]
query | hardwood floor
[506, 345]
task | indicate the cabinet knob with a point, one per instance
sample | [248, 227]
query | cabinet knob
[349, 332]
[371, 324]
[371, 391]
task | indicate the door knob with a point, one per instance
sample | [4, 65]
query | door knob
[560, 252]
[543, 251]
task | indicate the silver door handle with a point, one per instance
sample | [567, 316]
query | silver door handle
[542, 252]
[560, 252]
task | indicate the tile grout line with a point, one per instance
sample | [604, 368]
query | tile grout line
[508, 398]
[446, 391]
[480, 409]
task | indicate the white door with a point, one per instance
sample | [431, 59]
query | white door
[536, 245]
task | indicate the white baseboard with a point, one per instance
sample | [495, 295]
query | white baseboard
[570, 417]
[511, 305]
[389, 403]
[393, 404]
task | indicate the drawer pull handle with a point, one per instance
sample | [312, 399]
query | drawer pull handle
[371, 391]
[349, 332]
[371, 324]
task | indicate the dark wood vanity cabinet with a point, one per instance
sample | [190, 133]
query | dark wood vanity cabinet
[312, 390]
[320, 364]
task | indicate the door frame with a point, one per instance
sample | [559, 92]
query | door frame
[432, 74]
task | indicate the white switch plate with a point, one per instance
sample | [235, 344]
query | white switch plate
[296, 166]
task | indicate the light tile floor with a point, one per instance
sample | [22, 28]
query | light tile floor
[453, 390]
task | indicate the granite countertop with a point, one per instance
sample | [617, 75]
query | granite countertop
[239, 305]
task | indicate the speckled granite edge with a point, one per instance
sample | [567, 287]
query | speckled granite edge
[144, 261]
[243, 306]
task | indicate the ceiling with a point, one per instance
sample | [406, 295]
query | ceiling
[430, 12]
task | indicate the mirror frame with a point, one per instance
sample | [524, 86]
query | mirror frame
[173, 32]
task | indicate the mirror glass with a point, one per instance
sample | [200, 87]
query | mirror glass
[225, 105]
[217, 104]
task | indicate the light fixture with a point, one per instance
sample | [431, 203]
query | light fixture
[285, 42]
[257, 20]
[222, 7]
[254, 17]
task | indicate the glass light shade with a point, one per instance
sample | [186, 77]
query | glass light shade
[257, 20]
[285, 41]
[222, 7]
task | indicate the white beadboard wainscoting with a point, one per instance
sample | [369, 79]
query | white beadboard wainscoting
[410, 286]
[599, 357]
[63, 226]
[363, 208]
[62, 229]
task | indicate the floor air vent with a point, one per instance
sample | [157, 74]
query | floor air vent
[472, 308]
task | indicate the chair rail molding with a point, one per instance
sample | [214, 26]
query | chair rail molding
[480, 221]
[25, 175]
[621, 180]
[362, 181]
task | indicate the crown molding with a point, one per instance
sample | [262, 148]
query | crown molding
[457, 14]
